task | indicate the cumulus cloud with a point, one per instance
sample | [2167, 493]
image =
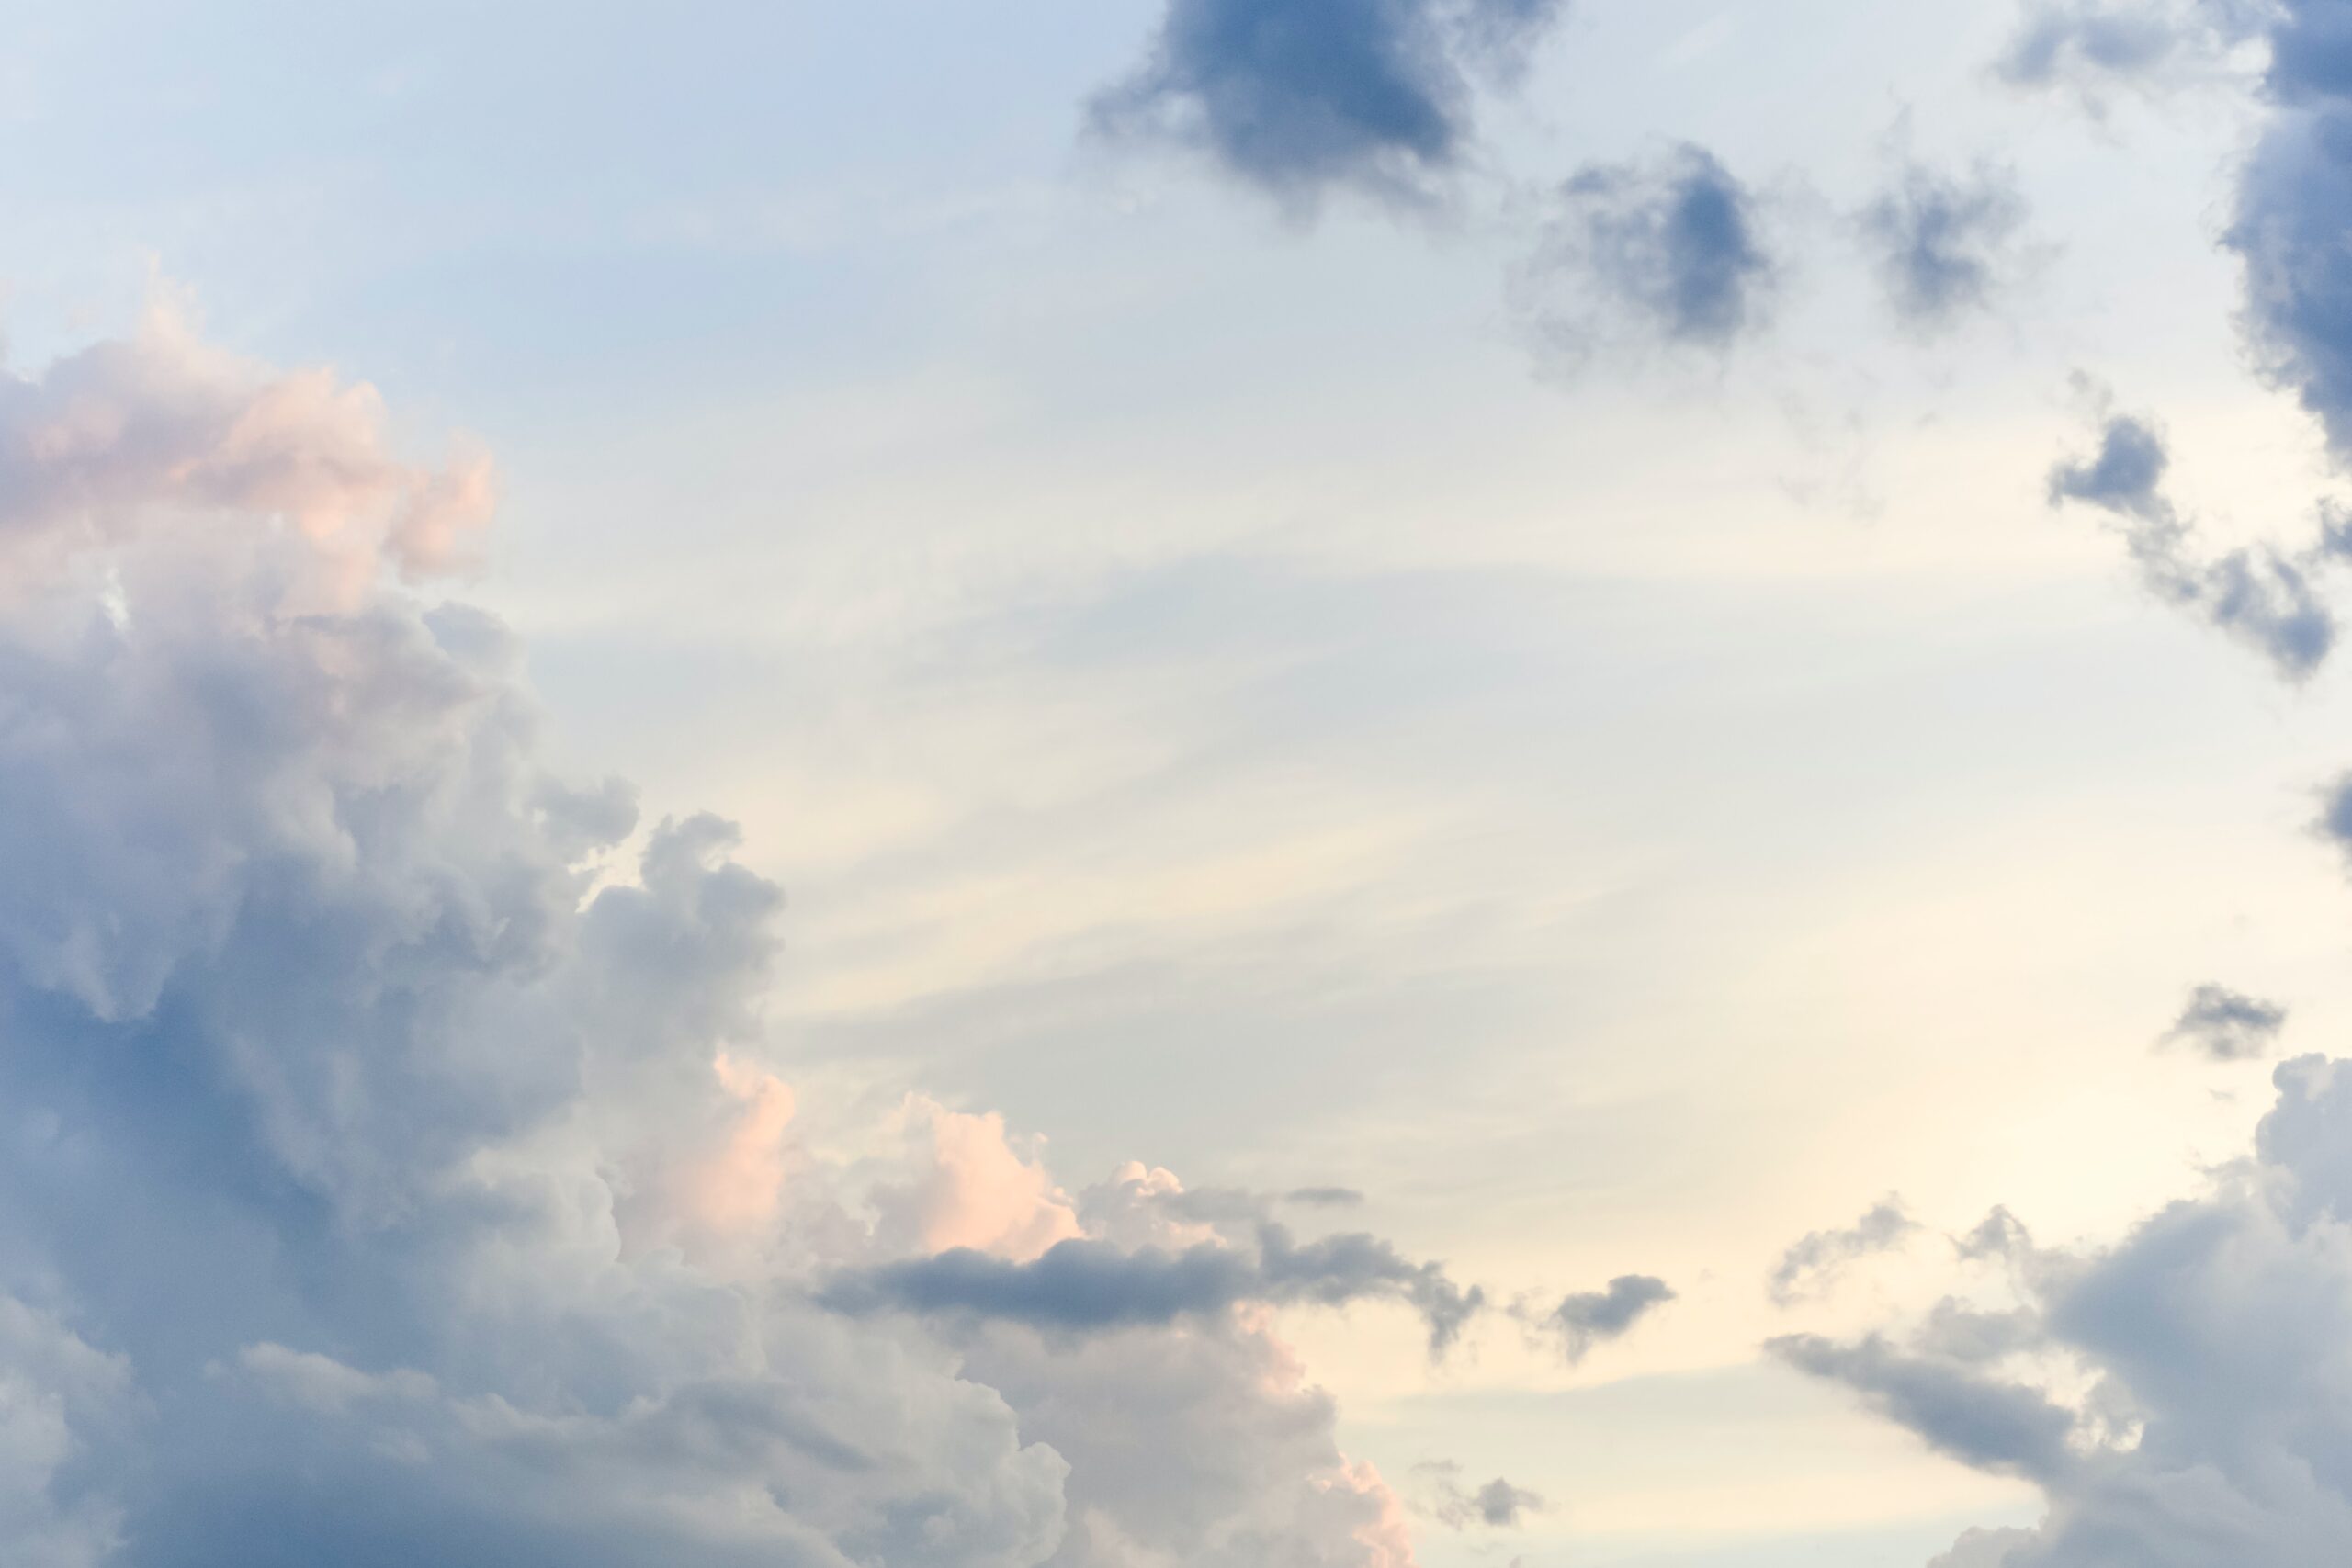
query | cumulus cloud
[147, 432]
[1585, 1319]
[397, 1162]
[2181, 1398]
[1943, 242]
[2265, 597]
[2288, 231]
[2227, 1025]
[1671, 249]
[1301, 97]
[1086, 1285]
[1497, 1504]
[1816, 1261]
[968, 1188]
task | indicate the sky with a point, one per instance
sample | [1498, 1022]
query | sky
[1175, 783]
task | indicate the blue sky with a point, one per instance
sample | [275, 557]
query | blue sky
[1510, 612]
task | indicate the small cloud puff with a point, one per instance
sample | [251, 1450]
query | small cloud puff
[1671, 250]
[2226, 1025]
[1586, 1319]
[1300, 98]
[2263, 596]
[1942, 243]
[1816, 1261]
[1497, 1504]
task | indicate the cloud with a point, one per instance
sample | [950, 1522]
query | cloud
[131, 435]
[1979, 1420]
[1671, 249]
[1497, 1504]
[2182, 1397]
[2226, 1025]
[398, 1166]
[1303, 96]
[1942, 242]
[1582, 1321]
[1816, 1261]
[972, 1191]
[2265, 597]
[1086, 1285]
[1324, 1196]
[2288, 229]
[2090, 45]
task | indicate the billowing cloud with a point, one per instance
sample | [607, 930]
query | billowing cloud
[1300, 97]
[2227, 1025]
[971, 1189]
[1582, 1320]
[398, 1166]
[2288, 229]
[1815, 1261]
[1087, 1285]
[2265, 597]
[163, 427]
[1671, 249]
[2182, 1398]
[1943, 242]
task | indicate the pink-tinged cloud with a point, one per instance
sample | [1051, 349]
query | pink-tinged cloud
[136, 436]
[973, 1189]
[739, 1189]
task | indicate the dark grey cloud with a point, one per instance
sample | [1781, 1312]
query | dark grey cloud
[1815, 1261]
[1585, 1319]
[2263, 596]
[1091, 1286]
[1979, 1420]
[2227, 1025]
[1943, 242]
[1671, 249]
[1497, 1504]
[1301, 97]
[2288, 229]
[2334, 822]
[2202, 1415]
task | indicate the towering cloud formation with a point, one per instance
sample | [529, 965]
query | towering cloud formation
[1301, 97]
[393, 1165]
[2184, 1398]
